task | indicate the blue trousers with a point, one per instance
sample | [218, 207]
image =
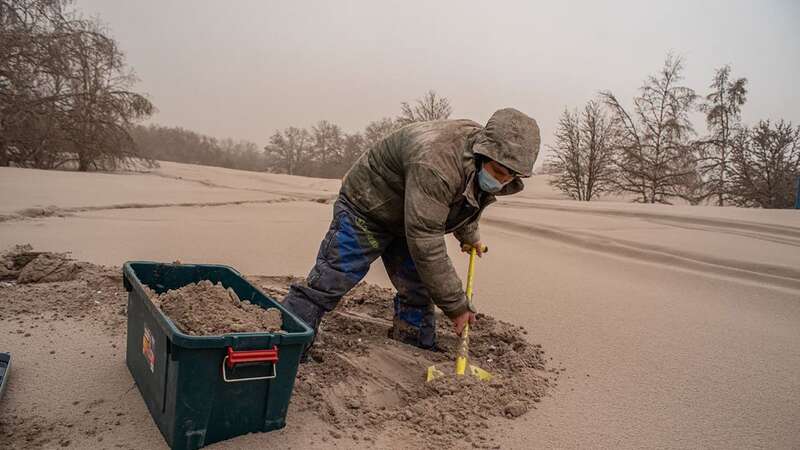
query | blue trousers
[350, 246]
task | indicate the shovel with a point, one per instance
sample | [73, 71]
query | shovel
[462, 364]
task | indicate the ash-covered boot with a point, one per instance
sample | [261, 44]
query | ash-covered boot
[414, 325]
[306, 311]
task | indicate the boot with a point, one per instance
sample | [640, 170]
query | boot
[309, 313]
[414, 325]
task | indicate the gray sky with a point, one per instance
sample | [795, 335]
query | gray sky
[242, 69]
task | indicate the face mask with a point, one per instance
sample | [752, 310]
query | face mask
[488, 183]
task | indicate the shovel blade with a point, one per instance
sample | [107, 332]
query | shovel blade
[475, 371]
[479, 373]
[433, 373]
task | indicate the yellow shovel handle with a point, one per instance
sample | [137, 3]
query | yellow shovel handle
[471, 272]
[463, 348]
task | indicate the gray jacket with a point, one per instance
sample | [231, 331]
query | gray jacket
[421, 183]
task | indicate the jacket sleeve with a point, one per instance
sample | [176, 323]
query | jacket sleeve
[469, 233]
[427, 198]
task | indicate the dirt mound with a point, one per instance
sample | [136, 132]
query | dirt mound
[364, 383]
[48, 268]
[208, 309]
[24, 265]
[39, 283]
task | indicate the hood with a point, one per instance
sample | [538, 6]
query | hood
[512, 139]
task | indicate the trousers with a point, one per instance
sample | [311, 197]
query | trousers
[351, 244]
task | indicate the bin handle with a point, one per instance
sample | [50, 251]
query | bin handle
[249, 356]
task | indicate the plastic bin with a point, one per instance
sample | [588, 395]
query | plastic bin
[205, 389]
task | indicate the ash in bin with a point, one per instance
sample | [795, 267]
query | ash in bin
[208, 309]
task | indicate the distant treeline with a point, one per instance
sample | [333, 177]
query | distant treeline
[652, 152]
[180, 145]
[323, 151]
[66, 102]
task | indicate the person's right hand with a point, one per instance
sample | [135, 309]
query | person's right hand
[461, 320]
[480, 248]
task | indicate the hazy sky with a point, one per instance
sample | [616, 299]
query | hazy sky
[245, 68]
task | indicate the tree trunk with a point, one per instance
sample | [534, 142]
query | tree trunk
[83, 164]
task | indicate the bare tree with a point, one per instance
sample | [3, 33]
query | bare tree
[26, 98]
[237, 154]
[765, 164]
[582, 158]
[328, 140]
[429, 107]
[290, 149]
[723, 116]
[101, 110]
[325, 151]
[654, 150]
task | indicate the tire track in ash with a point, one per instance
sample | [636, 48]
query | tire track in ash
[747, 234]
[298, 192]
[772, 275]
[785, 231]
[51, 211]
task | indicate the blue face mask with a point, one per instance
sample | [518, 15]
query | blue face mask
[489, 183]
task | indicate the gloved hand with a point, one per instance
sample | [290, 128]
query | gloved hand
[480, 248]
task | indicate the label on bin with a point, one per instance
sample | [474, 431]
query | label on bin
[147, 348]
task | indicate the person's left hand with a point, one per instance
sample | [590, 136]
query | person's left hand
[460, 321]
[480, 248]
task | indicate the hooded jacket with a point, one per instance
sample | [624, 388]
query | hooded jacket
[420, 182]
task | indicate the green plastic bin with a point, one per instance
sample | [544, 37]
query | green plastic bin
[205, 389]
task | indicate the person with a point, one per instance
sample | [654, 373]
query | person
[398, 202]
